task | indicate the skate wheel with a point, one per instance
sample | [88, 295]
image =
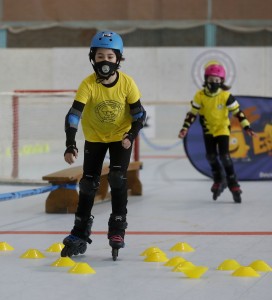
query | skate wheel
[83, 249]
[65, 252]
[237, 199]
[76, 252]
[114, 254]
[215, 196]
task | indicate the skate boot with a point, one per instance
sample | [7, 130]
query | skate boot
[73, 245]
[219, 182]
[236, 193]
[234, 188]
[116, 233]
[218, 188]
[76, 242]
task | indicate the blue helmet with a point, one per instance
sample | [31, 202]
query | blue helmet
[107, 39]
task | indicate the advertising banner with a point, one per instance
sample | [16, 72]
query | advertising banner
[252, 156]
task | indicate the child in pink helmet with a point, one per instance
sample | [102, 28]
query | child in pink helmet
[213, 104]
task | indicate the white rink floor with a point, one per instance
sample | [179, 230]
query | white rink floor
[176, 206]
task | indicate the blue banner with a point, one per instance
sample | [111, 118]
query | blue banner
[252, 156]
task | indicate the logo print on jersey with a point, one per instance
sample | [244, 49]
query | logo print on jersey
[108, 111]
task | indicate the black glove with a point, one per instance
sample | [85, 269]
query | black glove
[71, 149]
[130, 136]
[249, 131]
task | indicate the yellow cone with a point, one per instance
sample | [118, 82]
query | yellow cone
[174, 261]
[261, 266]
[245, 272]
[195, 272]
[182, 247]
[183, 266]
[32, 253]
[156, 257]
[56, 247]
[5, 247]
[151, 250]
[229, 265]
[81, 268]
[63, 262]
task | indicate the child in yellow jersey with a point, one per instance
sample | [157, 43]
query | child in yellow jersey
[213, 104]
[108, 104]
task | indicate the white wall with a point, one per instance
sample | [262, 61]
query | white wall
[162, 74]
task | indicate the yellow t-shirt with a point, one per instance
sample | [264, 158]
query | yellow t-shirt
[106, 115]
[214, 111]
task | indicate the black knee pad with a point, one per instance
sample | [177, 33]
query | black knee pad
[88, 185]
[212, 158]
[226, 160]
[116, 178]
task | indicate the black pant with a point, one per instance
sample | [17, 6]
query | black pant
[94, 155]
[219, 146]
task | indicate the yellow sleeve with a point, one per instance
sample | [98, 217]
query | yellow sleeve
[133, 93]
[83, 92]
[196, 104]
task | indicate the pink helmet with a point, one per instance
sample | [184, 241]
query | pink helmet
[215, 70]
